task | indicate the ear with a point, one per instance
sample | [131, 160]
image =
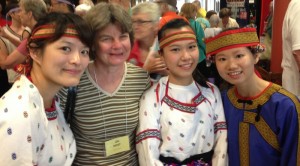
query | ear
[256, 56]
[156, 27]
[30, 14]
[35, 56]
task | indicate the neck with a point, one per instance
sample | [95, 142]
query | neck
[17, 27]
[32, 23]
[252, 88]
[108, 78]
[182, 82]
[146, 43]
[46, 89]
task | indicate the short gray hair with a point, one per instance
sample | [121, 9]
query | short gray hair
[150, 8]
[37, 7]
[214, 20]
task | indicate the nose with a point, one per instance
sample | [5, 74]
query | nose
[75, 58]
[117, 43]
[186, 55]
[231, 64]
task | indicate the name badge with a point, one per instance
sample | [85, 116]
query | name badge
[117, 145]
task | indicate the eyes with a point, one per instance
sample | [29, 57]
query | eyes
[67, 49]
[189, 47]
[222, 58]
[110, 39]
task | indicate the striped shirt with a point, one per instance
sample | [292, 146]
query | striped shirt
[97, 120]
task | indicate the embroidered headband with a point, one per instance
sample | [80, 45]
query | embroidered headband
[47, 31]
[242, 37]
[178, 36]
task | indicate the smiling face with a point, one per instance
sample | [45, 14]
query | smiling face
[143, 26]
[62, 62]
[112, 47]
[181, 58]
[236, 65]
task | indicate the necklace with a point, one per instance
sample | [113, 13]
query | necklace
[102, 114]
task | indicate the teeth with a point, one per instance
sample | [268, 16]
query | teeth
[235, 73]
[186, 65]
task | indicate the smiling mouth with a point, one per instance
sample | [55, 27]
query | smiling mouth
[234, 73]
[74, 72]
[186, 66]
[116, 54]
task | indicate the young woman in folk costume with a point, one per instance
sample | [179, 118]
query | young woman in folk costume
[262, 117]
[181, 119]
[33, 130]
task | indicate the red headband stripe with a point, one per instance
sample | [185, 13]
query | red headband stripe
[46, 31]
[174, 37]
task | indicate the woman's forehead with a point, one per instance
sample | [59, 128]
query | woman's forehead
[234, 51]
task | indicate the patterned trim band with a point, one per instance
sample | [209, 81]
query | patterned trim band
[178, 36]
[46, 31]
[243, 37]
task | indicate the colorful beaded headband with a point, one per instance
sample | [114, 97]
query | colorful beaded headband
[242, 37]
[47, 31]
[178, 36]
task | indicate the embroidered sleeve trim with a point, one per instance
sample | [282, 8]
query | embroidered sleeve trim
[146, 134]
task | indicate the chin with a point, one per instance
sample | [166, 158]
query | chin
[71, 83]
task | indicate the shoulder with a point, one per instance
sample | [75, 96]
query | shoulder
[137, 76]
[285, 96]
[21, 100]
[212, 90]
[133, 69]
[157, 89]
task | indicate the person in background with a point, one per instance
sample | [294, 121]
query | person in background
[126, 4]
[82, 9]
[145, 20]
[32, 125]
[106, 110]
[13, 32]
[210, 13]
[201, 12]
[3, 74]
[189, 11]
[168, 11]
[30, 12]
[291, 49]
[262, 117]
[227, 21]
[214, 29]
[176, 129]
[267, 34]
[88, 2]
[11, 36]
[201, 15]
[64, 6]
